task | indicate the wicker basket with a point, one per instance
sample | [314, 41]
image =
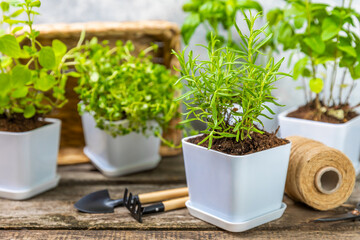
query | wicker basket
[165, 34]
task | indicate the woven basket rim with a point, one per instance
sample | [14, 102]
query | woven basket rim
[106, 27]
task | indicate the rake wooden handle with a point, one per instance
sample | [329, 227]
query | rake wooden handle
[163, 195]
[175, 203]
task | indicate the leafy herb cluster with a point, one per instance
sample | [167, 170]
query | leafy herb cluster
[212, 14]
[229, 91]
[115, 85]
[23, 86]
[324, 38]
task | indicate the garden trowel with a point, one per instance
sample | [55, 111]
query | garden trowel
[100, 201]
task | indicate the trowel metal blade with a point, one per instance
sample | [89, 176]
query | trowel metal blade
[96, 202]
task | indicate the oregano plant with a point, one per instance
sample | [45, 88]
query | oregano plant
[326, 42]
[214, 15]
[229, 91]
[32, 77]
[115, 84]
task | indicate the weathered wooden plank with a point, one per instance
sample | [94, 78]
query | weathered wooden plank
[54, 210]
[174, 235]
[170, 170]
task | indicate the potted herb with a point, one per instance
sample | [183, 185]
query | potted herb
[29, 142]
[126, 102]
[327, 48]
[216, 17]
[235, 171]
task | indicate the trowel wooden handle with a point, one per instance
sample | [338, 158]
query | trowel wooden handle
[163, 195]
[175, 203]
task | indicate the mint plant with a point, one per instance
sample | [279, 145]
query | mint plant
[229, 91]
[115, 85]
[323, 38]
[23, 85]
[214, 14]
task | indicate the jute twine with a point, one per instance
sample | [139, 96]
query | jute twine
[319, 176]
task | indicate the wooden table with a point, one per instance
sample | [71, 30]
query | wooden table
[52, 215]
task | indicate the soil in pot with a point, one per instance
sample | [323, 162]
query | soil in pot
[309, 112]
[18, 123]
[257, 143]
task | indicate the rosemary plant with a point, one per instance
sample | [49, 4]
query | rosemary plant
[229, 91]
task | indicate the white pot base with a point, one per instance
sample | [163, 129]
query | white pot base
[28, 193]
[235, 226]
[111, 171]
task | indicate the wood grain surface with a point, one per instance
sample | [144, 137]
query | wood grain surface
[52, 216]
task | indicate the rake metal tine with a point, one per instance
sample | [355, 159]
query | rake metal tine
[125, 198]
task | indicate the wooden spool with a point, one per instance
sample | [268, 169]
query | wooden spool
[142, 33]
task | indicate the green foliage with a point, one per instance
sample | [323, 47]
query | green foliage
[212, 14]
[229, 91]
[114, 85]
[27, 73]
[323, 38]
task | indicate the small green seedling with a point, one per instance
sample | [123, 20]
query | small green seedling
[115, 85]
[229, 91]
[28, 72]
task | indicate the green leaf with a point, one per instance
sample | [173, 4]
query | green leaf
[16, 29]
[299, 22]
[330, 28]
[9, 46]
[315, 43]
[249, 4]
[17, 13]
[47, 57]
[190, 24]
[59, 47]
[45, 82]
[348, 49]
[74, 74]
[285, 32]
[29, 111]
[5, 6]
[20, 92]
[300, 67]
[316, 85]
[20, 76]
[5, 83]
[35, 4]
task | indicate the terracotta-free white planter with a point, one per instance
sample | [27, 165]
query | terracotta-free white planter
[121, 155]
[28, 161]
[235, 193]
[344, 137]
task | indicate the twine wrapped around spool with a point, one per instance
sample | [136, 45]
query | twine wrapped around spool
[319, 176]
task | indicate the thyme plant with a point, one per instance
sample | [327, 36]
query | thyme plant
[323, 38]
[115, 85]
[229, 91]
[214, 14]
[24, 85]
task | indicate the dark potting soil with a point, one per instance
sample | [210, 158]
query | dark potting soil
[20, 124]
[257, 143]
[309, 112]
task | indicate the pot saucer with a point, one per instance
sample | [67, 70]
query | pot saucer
[235, 226]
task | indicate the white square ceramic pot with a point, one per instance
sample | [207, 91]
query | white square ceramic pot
[236, 193]
[121, 155]
[344, 137]
[28, 161]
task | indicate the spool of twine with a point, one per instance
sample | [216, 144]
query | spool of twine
[319, 176]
